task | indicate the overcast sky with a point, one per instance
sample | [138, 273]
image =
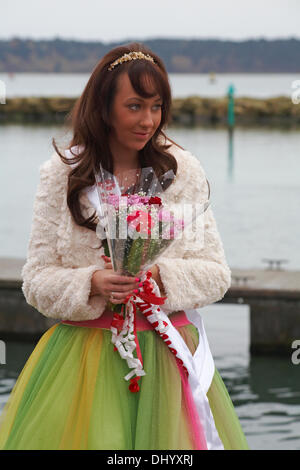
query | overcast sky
[118, 20]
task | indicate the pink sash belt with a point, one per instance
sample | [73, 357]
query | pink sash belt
[178, 319]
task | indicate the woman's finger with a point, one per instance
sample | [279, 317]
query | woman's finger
[116, 282]
[120, 300]
[119, 295]
[122, 289]
[119, 279]
[116, 287]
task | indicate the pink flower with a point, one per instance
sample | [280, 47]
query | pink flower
[145, 199]
[165, 216]
[134, 199]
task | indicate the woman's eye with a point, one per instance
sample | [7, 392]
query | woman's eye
[134, 106]
[137, 106]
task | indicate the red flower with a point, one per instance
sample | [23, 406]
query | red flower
[155, 200]
[141, 221]
[132, 217]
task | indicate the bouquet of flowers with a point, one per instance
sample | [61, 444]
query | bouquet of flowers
[136, 227]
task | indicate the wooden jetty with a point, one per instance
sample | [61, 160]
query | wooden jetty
[273, 296]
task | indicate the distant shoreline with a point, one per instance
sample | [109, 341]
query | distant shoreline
[180, 55]
[191, 111]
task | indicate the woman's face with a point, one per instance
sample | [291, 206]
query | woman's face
[134, 119]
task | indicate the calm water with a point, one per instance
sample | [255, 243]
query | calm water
[255, 85]
[255, 196]
[260, 183]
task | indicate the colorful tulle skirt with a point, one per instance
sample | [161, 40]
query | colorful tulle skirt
[71, 395]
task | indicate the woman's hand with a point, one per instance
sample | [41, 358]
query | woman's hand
[105, 281]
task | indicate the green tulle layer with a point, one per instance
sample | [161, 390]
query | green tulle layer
[71, 394]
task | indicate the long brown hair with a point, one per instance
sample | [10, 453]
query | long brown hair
[90, 122]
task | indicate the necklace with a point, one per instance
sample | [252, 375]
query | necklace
[128, 180]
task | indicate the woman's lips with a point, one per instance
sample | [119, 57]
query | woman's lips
[141, 135]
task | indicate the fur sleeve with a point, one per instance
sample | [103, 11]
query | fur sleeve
[55, 291]
[195, 272]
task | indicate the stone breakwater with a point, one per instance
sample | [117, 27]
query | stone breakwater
[190, 111]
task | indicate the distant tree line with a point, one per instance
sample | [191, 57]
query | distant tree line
[180, 55]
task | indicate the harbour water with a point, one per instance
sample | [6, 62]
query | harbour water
[259, 183]
[257, 85]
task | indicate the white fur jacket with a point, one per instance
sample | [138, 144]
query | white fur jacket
[62, 258]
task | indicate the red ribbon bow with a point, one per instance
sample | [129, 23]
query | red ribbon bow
[149, 297]
[147, 294]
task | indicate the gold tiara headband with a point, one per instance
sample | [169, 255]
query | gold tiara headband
[130, 56]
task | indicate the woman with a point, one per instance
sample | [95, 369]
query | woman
[71, 393]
